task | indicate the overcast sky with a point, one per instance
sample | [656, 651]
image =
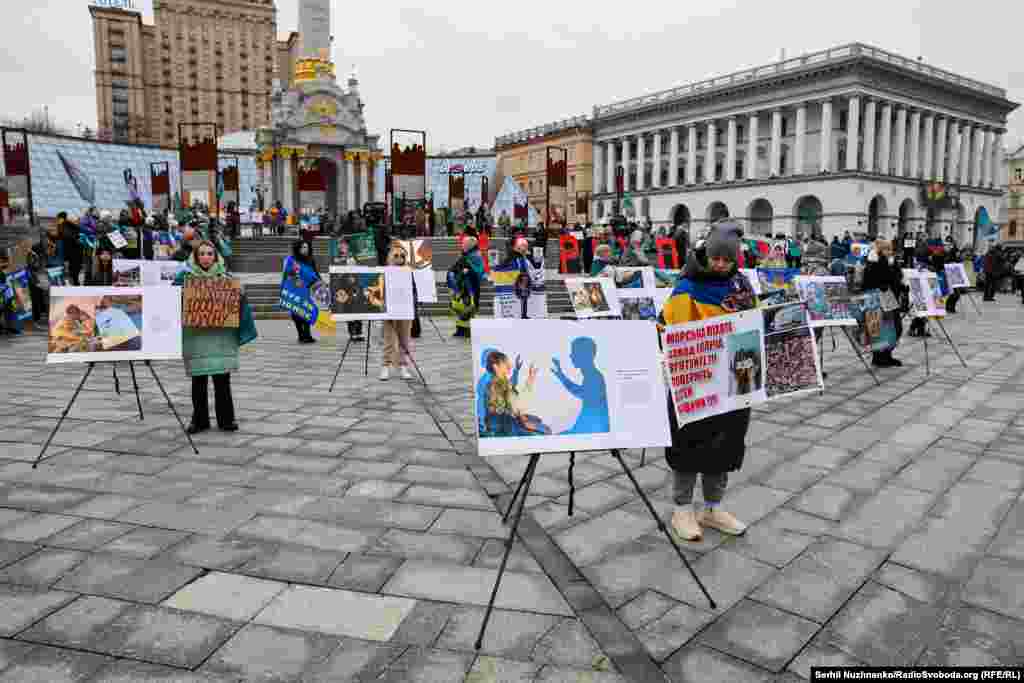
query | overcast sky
[483, 69]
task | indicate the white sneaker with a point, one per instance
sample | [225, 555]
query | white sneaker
[725, 522]
[385, 374]
[684, 524]
[405, 372]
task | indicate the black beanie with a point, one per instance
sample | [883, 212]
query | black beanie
[724, 241]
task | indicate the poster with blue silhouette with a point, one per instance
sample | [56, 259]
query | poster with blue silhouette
[544, 386]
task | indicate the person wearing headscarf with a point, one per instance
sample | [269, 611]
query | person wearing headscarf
[465, 279]
[302, 252]
[882, 274]
[603, 264]
[710, 285]
[212, 352]
[103, 272]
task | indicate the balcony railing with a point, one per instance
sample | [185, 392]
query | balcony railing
[540, 131]
[835, 54]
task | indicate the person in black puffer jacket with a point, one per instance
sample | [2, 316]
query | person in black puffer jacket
[882, 275]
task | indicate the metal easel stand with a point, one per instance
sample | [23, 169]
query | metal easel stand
[78, 390]
[436, 328]
[366, 365]
[523, 492]
[974, 302]
[860, 356]
[945, 332]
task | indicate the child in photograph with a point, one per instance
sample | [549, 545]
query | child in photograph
[710, 285]
[507, 404]
[75, 333]
[397, 333]
[116, 329]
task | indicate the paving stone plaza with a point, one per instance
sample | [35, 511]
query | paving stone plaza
[355, 535]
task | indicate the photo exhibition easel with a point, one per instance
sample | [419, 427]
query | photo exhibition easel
[366, 361]
[522, 492]
[945, 332]
[135, 383]
[88, 371]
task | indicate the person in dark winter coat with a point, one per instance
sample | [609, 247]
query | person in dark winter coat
[995, 267]
[72, 251]
[711, 285]
[881, 274]
[303, 253]
[103, 274]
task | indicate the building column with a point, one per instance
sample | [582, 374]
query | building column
[928, 148]
[609, 166]
[867, 162]
[364, 184]
[953, 159]
[775, 152]
[995, 159]
[641, 161]
[597, 170]
[656, 162]
[966, 142]
[287, 185]
[752, 135]
[901, 142]
[350, 185]
[940, 149]
[801, 139]
[825, 151]
[730, 151]
[986, 153]
[976, 155]
[885, 140]
[673, 157]
[915, 144]
[626, 185]
[691, 154]
[852, 132]
[709, 153]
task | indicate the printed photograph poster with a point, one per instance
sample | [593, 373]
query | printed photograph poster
[637, 305]
[212, 302]
[792, 365]
[21, 296]
[420, 257]
[593, 297]
[377, 293]
[956, 276]
[876, 329]
[635, 278]
[925, 295]
[715, 366]
[130, 273]
[95, 324]
[753, 279]
[827, 300]
[514, 290]
[544, 386]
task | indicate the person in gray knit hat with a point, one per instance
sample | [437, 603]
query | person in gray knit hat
[711, 285]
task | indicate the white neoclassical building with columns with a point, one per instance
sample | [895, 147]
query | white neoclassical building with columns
[843, 139]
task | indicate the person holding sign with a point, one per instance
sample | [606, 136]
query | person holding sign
[209, 352]
[711, 285]
[880, 274]
[302, 252]
[397, 333]
[464, 279]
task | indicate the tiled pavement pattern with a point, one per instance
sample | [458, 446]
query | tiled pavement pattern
[351, 536]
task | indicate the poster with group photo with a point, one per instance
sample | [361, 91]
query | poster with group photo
[827, 300]
[365, 293]
[420, 257]
[595, 297]
[792, 364]
[135, 273]
[545, 386]
[638, 305]
[94, 324]
[716, 365]
[212, 302]
[956, 276]
[925, 295]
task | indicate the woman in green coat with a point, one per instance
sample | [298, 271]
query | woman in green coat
[209, 352]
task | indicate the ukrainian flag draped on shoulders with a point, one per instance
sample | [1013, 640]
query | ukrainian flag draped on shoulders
[702, 293]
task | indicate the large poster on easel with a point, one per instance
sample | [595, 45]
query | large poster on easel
[363, 293]
[956, 276]
[420, 257]
[827, 300]
[792, 364]
[135, 273]
[554, 385]
[515, 290]
[925, 295]
[94, 324]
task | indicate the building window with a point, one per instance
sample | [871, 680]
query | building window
[842, 120]
[1013, 228]
[739, 168]
[118, 55]
[785, 126]
[572, 184]
[1018, 175]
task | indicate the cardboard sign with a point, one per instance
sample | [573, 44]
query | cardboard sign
[213, 302]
